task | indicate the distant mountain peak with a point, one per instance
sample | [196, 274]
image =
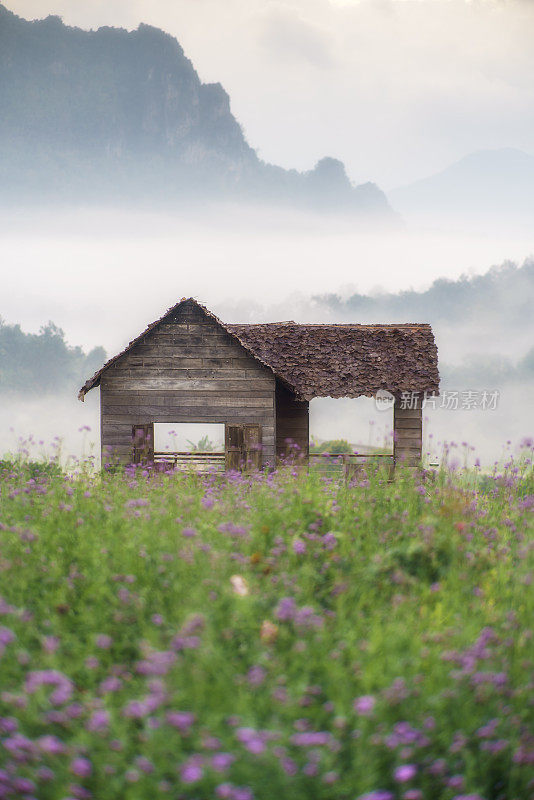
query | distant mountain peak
[111, 112]
[490, 184]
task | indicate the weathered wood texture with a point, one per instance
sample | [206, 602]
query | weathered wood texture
[243, 446]
[143, 443]
[407, 434]
[292, 424]
[188, 369]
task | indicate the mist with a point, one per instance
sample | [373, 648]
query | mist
[50, 425]
[397, 89]
[137, 169]
[103, 274]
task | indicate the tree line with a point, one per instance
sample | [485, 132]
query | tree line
[37, 363]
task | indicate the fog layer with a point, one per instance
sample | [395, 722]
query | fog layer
[103, 275]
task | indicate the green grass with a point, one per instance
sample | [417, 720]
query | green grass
[265, 606]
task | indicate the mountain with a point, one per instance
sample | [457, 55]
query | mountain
[488, 185]
[123, 114]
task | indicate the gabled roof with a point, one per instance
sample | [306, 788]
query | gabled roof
[95, 380]
[328, 360]
[346, 360]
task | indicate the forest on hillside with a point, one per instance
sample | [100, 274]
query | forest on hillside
[45, 363]
[505, 293]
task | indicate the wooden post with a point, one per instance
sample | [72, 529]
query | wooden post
[407, 432]
[252, 446]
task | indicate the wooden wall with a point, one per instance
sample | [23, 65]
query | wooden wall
[407, 434]
[292, 422]
[188, 369]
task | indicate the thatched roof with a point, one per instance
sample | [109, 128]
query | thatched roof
[346, 360]
[328, 360]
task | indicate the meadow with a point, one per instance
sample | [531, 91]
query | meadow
[266, 636]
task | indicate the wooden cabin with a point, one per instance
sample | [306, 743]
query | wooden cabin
[258, 380]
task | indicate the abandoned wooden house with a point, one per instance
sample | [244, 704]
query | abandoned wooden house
[258, 381]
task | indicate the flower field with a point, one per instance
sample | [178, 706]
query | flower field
[266, 636]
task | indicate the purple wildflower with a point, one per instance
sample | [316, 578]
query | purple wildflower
[330, 777]
[144, 764]
[306, 618]
[329, 540]
[364, 705]
[311, 739]
[50, 644]
[50, 744]
[191, 771]
[181, 720]
[251, 739]
[487, 730]
[468, 797]
[23, 786]
[110, 684]
[222, 761]
[99, 721]
[62, 684]
[8, 724]
[256, 676]
[286, 609]
[156, 663]
[179, 643]
[289, 766]
[81, 767]
[242, 793]
[405, 773]
[224, 791]
[6, 637]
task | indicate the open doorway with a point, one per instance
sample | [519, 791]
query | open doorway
[350, 434]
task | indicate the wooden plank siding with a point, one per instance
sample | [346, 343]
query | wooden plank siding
[407, 434]
[292, 424]
[188, 369]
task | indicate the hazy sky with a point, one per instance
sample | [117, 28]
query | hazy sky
[396, 88]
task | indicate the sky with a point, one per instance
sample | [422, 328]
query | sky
[397, 89]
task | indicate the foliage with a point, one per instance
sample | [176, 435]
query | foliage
[466, 300]
[43, 362]
[265, 636]
[33, 470]
[332, 446]
[204, 445]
